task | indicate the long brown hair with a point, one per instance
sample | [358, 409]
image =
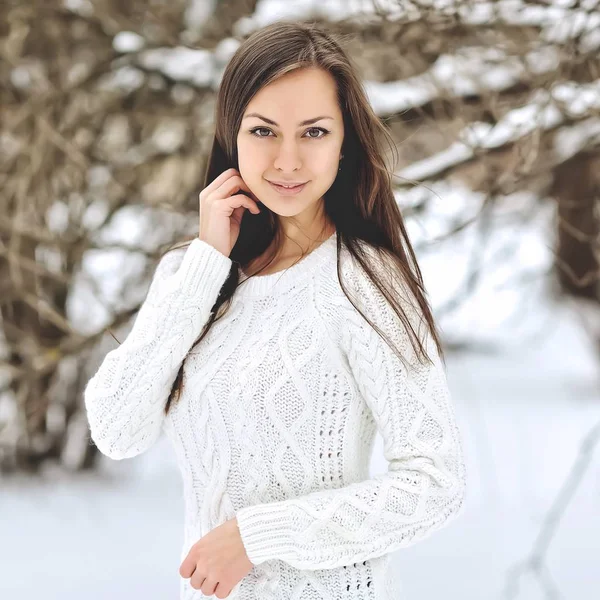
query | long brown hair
[360, 203]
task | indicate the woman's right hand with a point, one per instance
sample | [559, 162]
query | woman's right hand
[221, 213]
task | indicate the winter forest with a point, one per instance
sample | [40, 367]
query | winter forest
[106, 119]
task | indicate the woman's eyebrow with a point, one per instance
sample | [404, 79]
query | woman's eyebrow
[271, 122]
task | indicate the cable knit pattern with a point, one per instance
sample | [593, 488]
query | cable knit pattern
[276, 423]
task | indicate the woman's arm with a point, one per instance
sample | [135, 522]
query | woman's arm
[424, 485]
[126, 397]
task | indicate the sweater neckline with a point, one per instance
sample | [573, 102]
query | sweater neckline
[259, 285]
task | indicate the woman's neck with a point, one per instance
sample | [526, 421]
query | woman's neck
[289, 252]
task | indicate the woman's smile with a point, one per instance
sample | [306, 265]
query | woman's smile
[288, 191]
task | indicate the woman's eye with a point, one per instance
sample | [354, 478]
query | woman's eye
[325, 132]
[253, 131]
[314, 137]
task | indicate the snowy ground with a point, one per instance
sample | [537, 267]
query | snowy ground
[117, 535]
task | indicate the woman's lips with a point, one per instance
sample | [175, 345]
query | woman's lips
[288, 191]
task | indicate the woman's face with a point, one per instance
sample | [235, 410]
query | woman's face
[286, 150]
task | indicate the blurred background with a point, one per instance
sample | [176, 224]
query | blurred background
[106, 123]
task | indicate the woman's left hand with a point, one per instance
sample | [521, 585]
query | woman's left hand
[218, 561]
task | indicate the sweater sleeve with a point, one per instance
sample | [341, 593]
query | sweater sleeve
[126, 397]
[424, 485]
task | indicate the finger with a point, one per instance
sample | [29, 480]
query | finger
[224, 176]
[239, 200]
[197, 580]
[231, 185]
[222, 590]
[187, 566]
[208, 586]
[218, 181]
[238, 213]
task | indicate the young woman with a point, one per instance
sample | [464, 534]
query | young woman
[273, 346]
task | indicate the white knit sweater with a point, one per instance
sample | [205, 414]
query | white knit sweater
[280, 406]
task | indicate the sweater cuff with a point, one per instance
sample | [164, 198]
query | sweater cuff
[266, 531]
[203, 266]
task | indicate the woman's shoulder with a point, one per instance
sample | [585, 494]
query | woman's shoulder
[354, 274]
[347, 292]
[374, 259]
[363, 270]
